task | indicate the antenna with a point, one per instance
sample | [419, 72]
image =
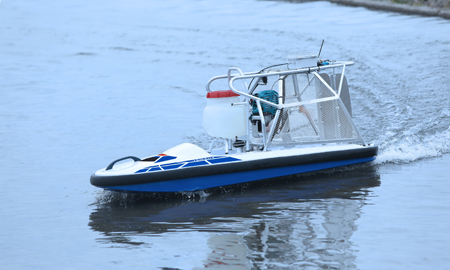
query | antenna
[323, 40]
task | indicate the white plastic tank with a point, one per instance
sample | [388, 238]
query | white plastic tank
[221, 119]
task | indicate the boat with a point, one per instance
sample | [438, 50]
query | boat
[285, 119]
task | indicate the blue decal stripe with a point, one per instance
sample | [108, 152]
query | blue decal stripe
[187, 163]
[171, 166]
[165, 158]
[222, 160]
[198, 163]
[154, 168]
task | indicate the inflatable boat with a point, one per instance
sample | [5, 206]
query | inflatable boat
[287, 119]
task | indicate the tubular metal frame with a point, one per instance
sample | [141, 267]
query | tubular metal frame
[267, 138]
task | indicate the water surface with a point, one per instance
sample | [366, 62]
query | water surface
[85, 83]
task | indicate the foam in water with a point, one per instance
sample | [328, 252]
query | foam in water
[422, 140]
[112, 198]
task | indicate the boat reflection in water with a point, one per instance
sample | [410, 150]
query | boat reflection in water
[298, 222]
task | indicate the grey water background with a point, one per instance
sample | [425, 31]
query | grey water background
[83, 83]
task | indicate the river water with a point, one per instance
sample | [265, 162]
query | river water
[85, 82]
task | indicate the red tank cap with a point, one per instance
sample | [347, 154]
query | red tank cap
[221, 94]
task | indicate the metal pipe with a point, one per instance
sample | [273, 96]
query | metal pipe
[325, 83]
[272, 130]
[263, 121]
[258, 74]
[306, 86]
[212, 145]
[281, 106]
[240, 72]
[340, 81]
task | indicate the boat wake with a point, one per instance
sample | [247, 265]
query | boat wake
[426, 139]
[398, 145]
[107, 198]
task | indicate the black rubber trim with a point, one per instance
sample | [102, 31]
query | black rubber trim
[232, 167]
[110, 166]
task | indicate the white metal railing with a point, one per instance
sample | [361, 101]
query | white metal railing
[247, 95]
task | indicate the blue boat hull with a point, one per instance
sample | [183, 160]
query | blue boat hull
[227, 179]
